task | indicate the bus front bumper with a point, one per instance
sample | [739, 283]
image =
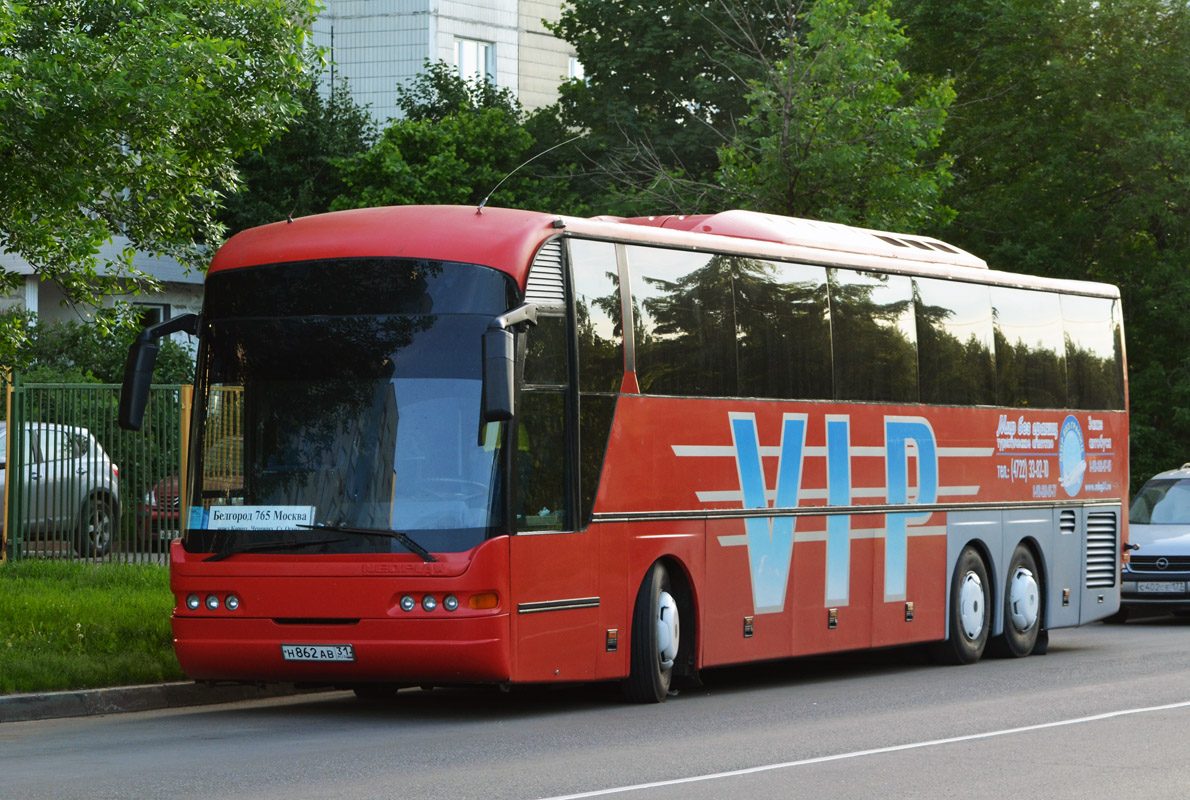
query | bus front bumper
[441, 651]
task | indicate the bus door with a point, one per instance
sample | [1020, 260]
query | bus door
[554, 567]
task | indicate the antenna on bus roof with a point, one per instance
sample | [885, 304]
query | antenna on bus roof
[484, 202]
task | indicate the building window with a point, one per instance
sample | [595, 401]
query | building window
[474, 60]
[577, 73]
[150, 313]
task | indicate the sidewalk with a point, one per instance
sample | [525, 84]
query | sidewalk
[117, 700]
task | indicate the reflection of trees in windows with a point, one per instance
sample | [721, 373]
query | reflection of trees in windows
[736, 327]
[1029, 375]
[875, 358]
[951, 369]
[1094, 380]
[601, 352]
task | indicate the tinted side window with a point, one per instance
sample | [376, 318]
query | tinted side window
[874, 336]
[1094, 353]
[1030, 348]
[782, 330]
[956, 365]
[600, 330]
[685, 329]
[541, 435]
[597, 315]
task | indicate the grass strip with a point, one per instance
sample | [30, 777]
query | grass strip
[70, 625]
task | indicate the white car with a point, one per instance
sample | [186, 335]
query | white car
[1157, 577]
[70, 488]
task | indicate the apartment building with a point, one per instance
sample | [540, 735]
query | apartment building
[377, 45]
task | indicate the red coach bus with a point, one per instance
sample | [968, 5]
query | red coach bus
[434, 446]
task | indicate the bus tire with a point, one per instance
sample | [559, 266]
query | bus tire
[1022, 606]
[655, 638]
[970, 611]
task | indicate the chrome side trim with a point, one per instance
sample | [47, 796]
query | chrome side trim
[626, 313]
[821, 511]
[557, 605]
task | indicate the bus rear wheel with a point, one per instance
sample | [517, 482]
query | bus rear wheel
[970, 611]
[655, 637]
[1022, 606]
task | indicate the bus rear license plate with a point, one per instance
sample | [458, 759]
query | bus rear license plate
[1163, 587]
[318, 652]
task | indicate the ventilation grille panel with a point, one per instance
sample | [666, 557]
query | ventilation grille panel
[1102, 559]
[546, 286]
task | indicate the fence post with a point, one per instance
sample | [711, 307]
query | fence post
[187, 398]
[6, 381]
[14, 511]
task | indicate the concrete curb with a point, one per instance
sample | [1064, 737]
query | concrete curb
[121, 699]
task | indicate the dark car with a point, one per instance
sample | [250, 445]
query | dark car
[1157, 577]
[158, 518]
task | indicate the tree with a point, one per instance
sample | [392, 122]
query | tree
[664, 88]
[837, 129]
[455, 143]
[1072, 159]
[71, 352]
[296, 174]
[124, 117]
[783, 106]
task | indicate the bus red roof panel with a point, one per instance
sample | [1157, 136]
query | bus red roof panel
[501, 238]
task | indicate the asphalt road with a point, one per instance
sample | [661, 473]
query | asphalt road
[1105, 714]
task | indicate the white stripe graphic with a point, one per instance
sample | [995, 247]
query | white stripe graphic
[774, 451]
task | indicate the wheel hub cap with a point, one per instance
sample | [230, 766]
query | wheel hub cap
[667, 629]
[1023, 600]
[971, 605]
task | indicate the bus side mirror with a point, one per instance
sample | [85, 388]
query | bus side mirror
[499, 375]
[138, 369]
[499, 363]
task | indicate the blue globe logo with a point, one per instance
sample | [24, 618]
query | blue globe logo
[1072, 456]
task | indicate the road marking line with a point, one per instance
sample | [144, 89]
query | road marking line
[860, 753]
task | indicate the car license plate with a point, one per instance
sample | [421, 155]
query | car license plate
[1163, 587]
[318, 652]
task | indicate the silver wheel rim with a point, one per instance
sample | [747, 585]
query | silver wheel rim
[667, 630]
[1024, 601]
[971, 605]
[98, 529]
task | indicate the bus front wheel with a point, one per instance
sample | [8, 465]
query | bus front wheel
[655, 636]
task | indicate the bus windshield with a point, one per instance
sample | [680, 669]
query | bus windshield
[347, 421]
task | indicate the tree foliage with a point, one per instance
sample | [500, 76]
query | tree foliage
[457, 141]
[663, 90]
[787, 106]
[296, 174]
[124, 117]
[837, 129]
[71, 352]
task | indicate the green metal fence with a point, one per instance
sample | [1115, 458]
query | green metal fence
[77, 486]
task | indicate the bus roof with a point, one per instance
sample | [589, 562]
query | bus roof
[507, 239]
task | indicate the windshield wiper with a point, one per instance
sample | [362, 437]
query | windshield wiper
[264, 547]
[403, 538]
